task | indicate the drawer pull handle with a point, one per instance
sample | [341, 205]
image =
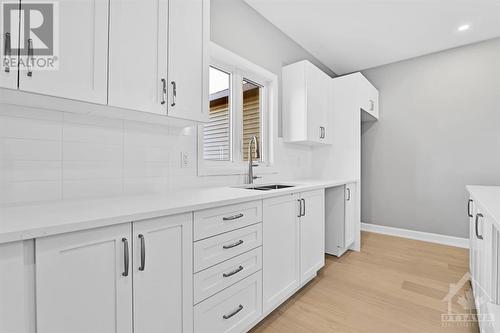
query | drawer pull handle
[229, 315]
[230, 246]
[469, 210]
[126, 259]
[143, 253]
[234, 217]
[237, 270]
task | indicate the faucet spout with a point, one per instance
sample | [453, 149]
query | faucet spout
[252, 142]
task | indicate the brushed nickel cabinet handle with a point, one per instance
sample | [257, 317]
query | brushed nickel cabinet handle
[300, 207]
[469, 210]
[479, 215]
[237, 270]
[229, 315]
[7, 52]
[163, 91]
[303, 207]
[30, 57]
[174, 93]
[143, 252]
[372, 105]
[234, 217]
[230, 246]
[348, 194]
[126, 259]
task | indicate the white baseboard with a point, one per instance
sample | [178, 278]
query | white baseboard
[417, 235]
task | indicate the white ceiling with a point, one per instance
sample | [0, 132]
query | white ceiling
[351, 35]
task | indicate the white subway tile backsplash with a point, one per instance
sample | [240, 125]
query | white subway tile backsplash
[73, 189]
[85, 170]
[20, 192]
[32, 150]
[26, 128]
[19, 171]
[142, 185]
[79, 151]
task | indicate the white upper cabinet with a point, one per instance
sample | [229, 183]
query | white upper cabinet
[160, 65]
[367, 98]
[137, 54]
[9, 46]
[81, 39]
[188, 37]
[306, 104]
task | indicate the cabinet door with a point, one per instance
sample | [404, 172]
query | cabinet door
[9, 46]
[188, 36]
[350, 215]
[317, 102]
[17, 298]
[368, 97]
[137, 54]
[163, 274]
[82, 281]
[312, 234]
[81, 67]
[281, 250]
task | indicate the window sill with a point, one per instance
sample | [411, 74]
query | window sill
[235, 170]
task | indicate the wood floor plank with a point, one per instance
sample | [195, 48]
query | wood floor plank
[392, 285]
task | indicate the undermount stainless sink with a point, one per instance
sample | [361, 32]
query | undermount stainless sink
[268, 187]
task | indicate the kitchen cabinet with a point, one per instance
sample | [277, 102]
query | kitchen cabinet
[17, 287]
[368, 98]
[341, 222]
[162, 274]
[10, 43]
[484, 260]
[306, 104]
[132, 277]
[281, 252]
[161, 65]
[188, 38]
[312, 234]
[138, 54]
[82, 57]
[84, 281]
[293, 244]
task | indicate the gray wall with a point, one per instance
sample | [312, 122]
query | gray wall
[439, 130]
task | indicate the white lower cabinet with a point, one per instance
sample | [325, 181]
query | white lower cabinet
[162, 274]
[312, 234]
[234, 309]
[281, 254]
[294, 248]
[133, 277]
[484, 260]
[341, 224]
[84, 281]
[17, 285]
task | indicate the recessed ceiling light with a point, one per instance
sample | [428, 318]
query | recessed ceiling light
[464, 27]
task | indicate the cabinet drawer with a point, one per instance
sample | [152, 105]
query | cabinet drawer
[214, 221]
[216, 278]
[214, 250]
[233, 309]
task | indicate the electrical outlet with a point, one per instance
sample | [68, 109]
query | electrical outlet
[185, 160]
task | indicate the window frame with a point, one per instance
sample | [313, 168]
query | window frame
[241, 69]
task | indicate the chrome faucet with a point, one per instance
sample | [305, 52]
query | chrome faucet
[253, 141]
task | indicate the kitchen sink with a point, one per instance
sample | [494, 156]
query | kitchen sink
[269, 187]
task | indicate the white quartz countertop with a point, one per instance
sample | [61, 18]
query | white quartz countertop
[489, 198]
[50, 218]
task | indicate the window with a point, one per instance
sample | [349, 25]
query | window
[241, 104]
[217, 133]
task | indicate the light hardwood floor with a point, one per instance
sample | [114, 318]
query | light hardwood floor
[392, 285]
